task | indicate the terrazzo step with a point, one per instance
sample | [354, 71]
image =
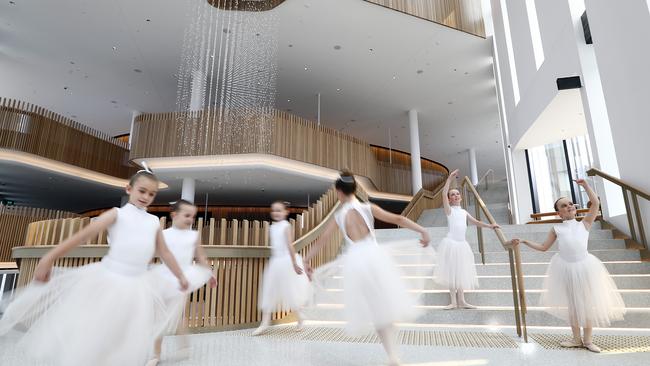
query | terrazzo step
[529, 268]
[489, 316]
[623, 281]
[481, 297]
[529, 256]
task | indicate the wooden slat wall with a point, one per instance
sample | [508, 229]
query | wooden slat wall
[234, 302]
[464, 15]
[35, 130]
[213, 132]
[13, 225]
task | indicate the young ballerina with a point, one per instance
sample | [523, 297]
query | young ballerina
[578, 288]
[456, 268]
[374, 294]
[285, 286]
[105, 313]
[184, 243]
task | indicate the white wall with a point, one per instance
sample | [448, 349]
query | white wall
[621, 34]
[565, 54]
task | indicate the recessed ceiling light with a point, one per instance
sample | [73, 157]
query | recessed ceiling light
[114, 48]
[137, 70]
[337, 47]
[257, 34]
[306, 68]
[288, 100]
[466, 73]
[290, 45]
[394, 77]
[420, 71]
[450, 102]
[12, 2]
[452, 136]
[455, 70]
[71, 62]
[65, 88]
[114, 101]
[371, 49]
[338, 89]
[148, 20]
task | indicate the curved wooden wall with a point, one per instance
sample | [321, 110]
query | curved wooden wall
[35, 130]
[463, 15]
[279, 133]
[14, 221]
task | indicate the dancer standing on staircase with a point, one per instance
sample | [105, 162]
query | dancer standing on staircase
[105, 313]
[184, 243]
[578, 288]
[374, 293]
[285, 286]
[456, 269]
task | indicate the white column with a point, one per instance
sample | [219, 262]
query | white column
[189, 189]
[416, 167]
[134, 114]
[473, 172]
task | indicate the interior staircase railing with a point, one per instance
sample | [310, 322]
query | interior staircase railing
[631, 198]
[514, 255]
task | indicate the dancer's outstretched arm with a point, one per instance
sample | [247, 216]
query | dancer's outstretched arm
[402, 221]
[167, 257]
[292, 251]
[589, 219]
[320, 243]
[481, 223]
[101, 223]
[546, 245]
[445, 192]
[202, 258]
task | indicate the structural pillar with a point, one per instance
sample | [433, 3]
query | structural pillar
[188, 190]
[197, 96]
[473, 172]
[134, 115]
[416, 167]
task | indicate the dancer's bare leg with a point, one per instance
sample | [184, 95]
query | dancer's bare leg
[452, 300]
[575, 329]
[301, 320]
[388, 337]
[461, 301]
[588, 340]
[266, 322]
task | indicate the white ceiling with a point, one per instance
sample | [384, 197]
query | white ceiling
[59, 54]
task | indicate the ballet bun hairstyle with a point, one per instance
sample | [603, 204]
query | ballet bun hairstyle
[346, 183]
[557, 209]
[176, 206]
[143, 174]
[284, 204]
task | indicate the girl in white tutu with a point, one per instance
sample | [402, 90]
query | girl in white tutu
[456, 269]
[375, 295]
[578, 288]
[184, 243]
[285, 286]
[105, 313]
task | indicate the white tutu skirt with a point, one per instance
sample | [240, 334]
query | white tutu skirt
[375, 295]
[90, 315]
[583, 291]
[282, 288]
[167, 286]
[456, 268]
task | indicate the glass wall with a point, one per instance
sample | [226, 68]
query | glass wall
[552, 169]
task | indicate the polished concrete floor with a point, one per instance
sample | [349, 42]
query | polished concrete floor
[280, 348]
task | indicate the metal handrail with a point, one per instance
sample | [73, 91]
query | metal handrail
[484, 177]
[633, 194]
[514, 254]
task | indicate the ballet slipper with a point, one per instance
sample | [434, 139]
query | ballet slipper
[300, 326]
[466, 306]
[571, 344]
[394, 361]
[450, 307]
[261, 330]
[592, 347]
[153, 362]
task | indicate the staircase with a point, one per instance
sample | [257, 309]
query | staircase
[494, 297]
